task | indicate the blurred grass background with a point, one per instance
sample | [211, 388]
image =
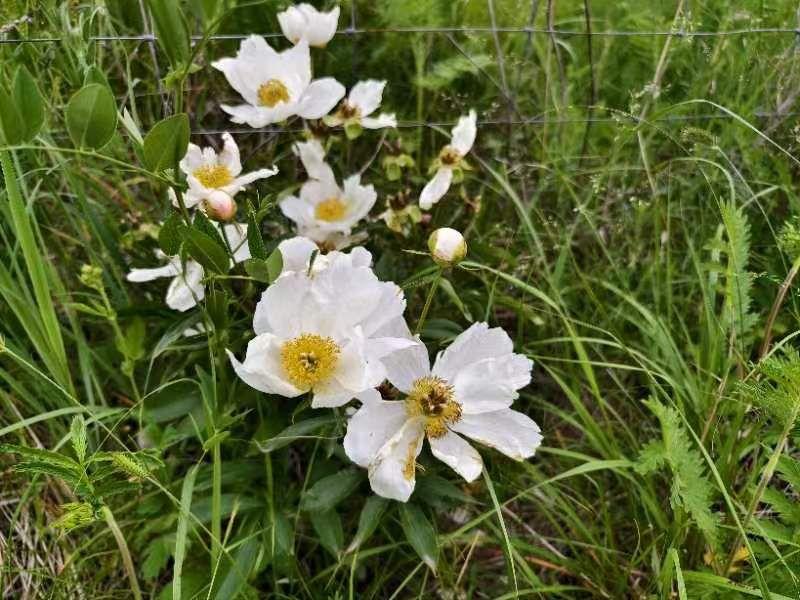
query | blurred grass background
[624, 219]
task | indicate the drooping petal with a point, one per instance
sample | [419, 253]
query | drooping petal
[238, 184]
[514, 434]
[463, 134]
[187, 289]
[312, 155]
[379, 122]
[319, 98]
[477, 342]
[436, 188]
[366, 96]
[458, 454]
[229, 157]
[169, 270]
[262, 368]
[392, 473]
[371, 427]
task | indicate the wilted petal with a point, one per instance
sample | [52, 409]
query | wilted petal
[436, 188]
[463, 134]
[392, 473]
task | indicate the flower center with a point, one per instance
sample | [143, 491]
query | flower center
[272, 93]
[332, 209]
[449, 156]
[348, 111]
[309, 359]
[430, 397]
[213, 176]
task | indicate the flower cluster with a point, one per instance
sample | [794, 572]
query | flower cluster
[326, 326]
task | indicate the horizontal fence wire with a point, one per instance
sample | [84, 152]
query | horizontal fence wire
[444, 30]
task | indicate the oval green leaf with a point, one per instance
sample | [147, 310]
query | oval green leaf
[166, 143]
[91, 116]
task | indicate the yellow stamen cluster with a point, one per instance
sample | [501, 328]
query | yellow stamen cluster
[430, 397]
[309, 359]
[449, 156]
[213, 176]
[331, 209]
[272, 93]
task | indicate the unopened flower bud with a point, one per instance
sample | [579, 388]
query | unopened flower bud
[219, 206]
[447, 246]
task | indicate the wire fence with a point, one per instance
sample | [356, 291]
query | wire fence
[618, 117]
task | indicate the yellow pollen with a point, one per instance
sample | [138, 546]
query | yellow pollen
[449, 156]
[272, 93]
[213, 176]
[430, 397]
[309, 359]
[332, 209]
[410, 465]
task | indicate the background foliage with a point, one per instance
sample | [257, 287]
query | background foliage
[630, 220]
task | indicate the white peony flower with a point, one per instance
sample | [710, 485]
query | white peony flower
[276, 85]
[322, 334]
[187, 288]
[469, 392]
[304, 22]
[213, 176]
[363, 100]
[325, 212]
[462, 138]
[447, 246]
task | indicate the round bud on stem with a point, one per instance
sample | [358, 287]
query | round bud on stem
[447, 246]
[219, 206]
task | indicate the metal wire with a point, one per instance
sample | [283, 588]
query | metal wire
[444, 30]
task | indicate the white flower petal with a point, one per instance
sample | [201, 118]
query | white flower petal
[141, 275]
[238, 184]
[371, 427]
[436, 188]
[229, 157]
[304, 22]
[392, 473]
[312, 155]
[187, 289]
[458, 454]
[283, 307]
[379, 122]
[239, 77]
[262, 368]
[463, 134]
[351, 368]
[514, 434]
[319, 98]
[297, 210]
[405, 366]
[193, 159]
[360, 198]
[477, 342]
[254, 116]
[491, 384]
[366, 96]
[331, 395]
[296, 253]
[236, 234]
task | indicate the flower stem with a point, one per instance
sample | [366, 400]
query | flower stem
[428, 300]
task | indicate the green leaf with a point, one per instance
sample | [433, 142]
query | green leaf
[181, 534]
[420, 534]
[236, 577]
[368, 522]
[78, 437]
[166, 143]
[330, 490]
[11, 126]
[254, 240]
[299, 430]
[91, 116]
[275, 264]
[257, 269]
[206, 251]
[95, 75]
[29, 103]
[171, 234]
[328, 525]
[171, 30]
[204, 225]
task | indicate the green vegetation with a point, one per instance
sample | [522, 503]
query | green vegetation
[631, 216]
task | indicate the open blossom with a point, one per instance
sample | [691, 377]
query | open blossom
[187, 288]
[212, 176]
[461, 141]
[468, 393]
[321, 334]
[276, 85]
[304, 22]
[363, 100]
[323, 211]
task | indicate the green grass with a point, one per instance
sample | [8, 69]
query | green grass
[635, 257]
